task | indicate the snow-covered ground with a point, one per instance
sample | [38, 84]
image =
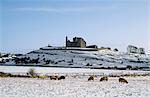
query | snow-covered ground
[81, 71]
[74, 87]
[76, 83]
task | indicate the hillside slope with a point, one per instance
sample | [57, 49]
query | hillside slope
[75, 58]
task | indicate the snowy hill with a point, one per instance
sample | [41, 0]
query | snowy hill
[87, 58]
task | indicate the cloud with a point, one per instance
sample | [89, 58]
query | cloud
[66, 9]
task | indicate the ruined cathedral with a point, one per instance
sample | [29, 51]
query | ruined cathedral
[77, 42]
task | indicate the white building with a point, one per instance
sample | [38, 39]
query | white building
[141, 51]
[134, 49]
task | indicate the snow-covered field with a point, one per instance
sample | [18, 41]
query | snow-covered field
[75, 84]
[70, 71]
[74, 87]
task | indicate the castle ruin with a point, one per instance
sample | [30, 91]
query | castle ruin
[77, 42]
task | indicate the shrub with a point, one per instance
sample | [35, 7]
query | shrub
[43, 59]
[70, 64]
[2, 74]
[129, 67]
[47, 61]
[71, 60]
[115, 49]
[42, 76]
[31, 72]
[88, 64]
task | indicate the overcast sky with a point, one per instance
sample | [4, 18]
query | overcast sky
[26, 25]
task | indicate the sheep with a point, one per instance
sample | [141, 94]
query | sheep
[61, 77]
[91, 78]
[122, 80]
[104, 79]
[54, 77]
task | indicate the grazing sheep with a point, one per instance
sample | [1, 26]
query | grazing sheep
[104, 79]
[61, 77]
[91, 78]
[122, 80]
[54, 77]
